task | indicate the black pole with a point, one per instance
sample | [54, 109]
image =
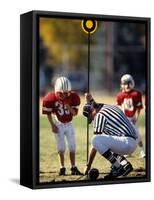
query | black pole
[88, 92]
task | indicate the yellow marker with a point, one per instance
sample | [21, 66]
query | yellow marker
[89, 25]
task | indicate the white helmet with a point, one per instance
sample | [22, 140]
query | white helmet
[128, 80]
[62, 84]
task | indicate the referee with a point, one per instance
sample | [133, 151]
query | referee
[114, 136]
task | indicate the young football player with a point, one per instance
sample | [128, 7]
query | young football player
[130, 101]
[63, 103]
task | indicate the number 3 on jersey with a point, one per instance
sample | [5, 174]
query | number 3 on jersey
[62, 110]
[128, 104]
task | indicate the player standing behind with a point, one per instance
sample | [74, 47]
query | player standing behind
[63, 103]
[130, 101]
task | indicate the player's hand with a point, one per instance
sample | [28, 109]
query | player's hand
[134, 120]
[54, 129]
[88, 97]
[67, 106]
[70, 109]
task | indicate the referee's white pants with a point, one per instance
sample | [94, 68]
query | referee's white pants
[120, 145]
[65, 130]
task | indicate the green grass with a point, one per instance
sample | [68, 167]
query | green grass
[49, 161]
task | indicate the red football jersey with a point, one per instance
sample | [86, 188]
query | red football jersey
[130, 102]
[51, 104]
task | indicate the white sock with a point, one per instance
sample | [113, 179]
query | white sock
[123, 162]
[142, 150]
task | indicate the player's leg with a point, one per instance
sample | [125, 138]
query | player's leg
[142, 151]
[61, 148]
[140, 144]
[70, 136]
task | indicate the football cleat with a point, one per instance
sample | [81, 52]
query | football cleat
[122, 170]
[75, 171]
[62, 171]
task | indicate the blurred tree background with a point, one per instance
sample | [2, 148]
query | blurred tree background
[116, 48]
[60, 36]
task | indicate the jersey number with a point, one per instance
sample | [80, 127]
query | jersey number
[128, 104]
[62, 110]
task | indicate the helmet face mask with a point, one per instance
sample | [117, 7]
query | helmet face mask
[127, 83]
[62, 95]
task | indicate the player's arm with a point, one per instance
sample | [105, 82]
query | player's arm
[137, 114]
[90, 159]
[47, 110]
[119, 101]
[139, 105]
[53, 126]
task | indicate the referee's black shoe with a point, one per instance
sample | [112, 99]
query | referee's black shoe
[75, 171]
[122, 170]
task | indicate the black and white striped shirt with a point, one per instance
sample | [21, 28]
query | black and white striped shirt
[112, 121]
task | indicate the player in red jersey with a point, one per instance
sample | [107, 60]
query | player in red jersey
[63, 103]
[130, 101]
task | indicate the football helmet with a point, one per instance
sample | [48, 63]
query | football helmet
[127, 82]
[62, 84]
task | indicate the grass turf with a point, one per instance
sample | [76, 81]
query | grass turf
[49, 161]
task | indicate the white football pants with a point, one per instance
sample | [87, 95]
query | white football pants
[65, 130]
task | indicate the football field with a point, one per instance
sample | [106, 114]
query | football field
[49, 161]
